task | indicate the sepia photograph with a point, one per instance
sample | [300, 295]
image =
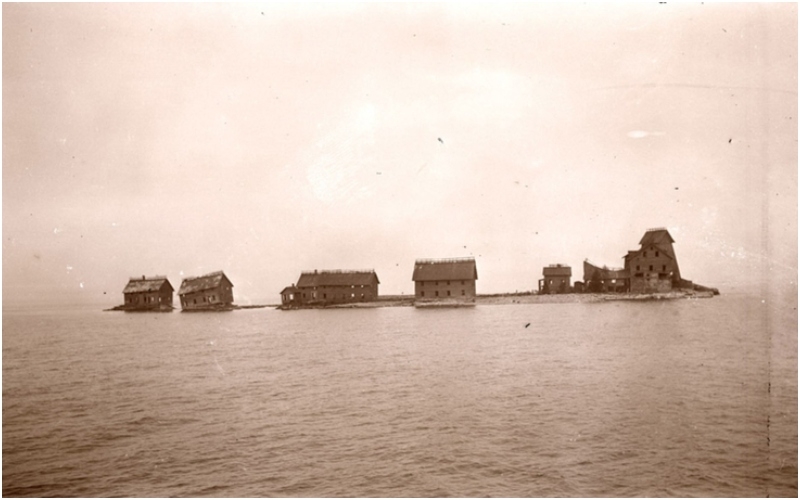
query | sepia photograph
[399, 249]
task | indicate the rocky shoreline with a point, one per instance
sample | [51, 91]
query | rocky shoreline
[530, 298]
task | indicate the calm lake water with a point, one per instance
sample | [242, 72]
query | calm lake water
[675, 398]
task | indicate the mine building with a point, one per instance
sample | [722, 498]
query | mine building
[445, 278]
[604, 279]
[210, 291]
[148, 293]
[336, 286]
[556, 279]
[653, 267]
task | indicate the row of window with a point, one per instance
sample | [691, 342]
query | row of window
[145, 299]
[436, 283]
[213, 298]
[663, 268]
[344, 286]
[325, 296]
[436, 293]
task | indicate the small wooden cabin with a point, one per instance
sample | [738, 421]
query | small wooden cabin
[210, 291]
[289, 296]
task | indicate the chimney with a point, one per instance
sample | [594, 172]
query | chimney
[315, 271]
[143, 276]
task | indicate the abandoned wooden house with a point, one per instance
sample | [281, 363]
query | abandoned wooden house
[604, 279]
[336, 286]
[445, 278]
[556, 279]
[208, 292]
[154, 293]
[654, 267]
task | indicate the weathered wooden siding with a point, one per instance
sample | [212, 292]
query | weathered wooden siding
[444, 289]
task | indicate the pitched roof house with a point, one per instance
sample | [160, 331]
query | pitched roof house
[148, 293]
[333, 286]
[445, 278]
[210, 291]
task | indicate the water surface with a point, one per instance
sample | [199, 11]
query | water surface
[675, 398]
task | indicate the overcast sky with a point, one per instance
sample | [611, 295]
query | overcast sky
[264, 140]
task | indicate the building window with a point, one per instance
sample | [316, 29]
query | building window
[664, 268]
[448, 293]
[324, 295]
[637, 268]
[437, 293]
[645, 253]
[194, 301]
[362, 295]
[656, 253]
[462, 293]
[651, 268]
[422, 293]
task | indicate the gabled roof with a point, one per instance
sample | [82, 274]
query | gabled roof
[289, 289]
[656, 237]
[557, 270]
[337, 277]
[152, 284]
[445, 269]
[205, 282]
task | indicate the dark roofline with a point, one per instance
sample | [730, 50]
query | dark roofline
[208, 275]
[447, 260]
[339, 271]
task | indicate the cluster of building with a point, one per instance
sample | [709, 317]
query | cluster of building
[207, 292]
[434, 280]
[652, 268]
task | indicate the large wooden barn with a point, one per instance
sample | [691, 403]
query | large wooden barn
[208, 292]
[335, 286]
[154, 293]
[445, 278]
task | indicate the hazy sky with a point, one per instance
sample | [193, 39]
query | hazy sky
[264, 140]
